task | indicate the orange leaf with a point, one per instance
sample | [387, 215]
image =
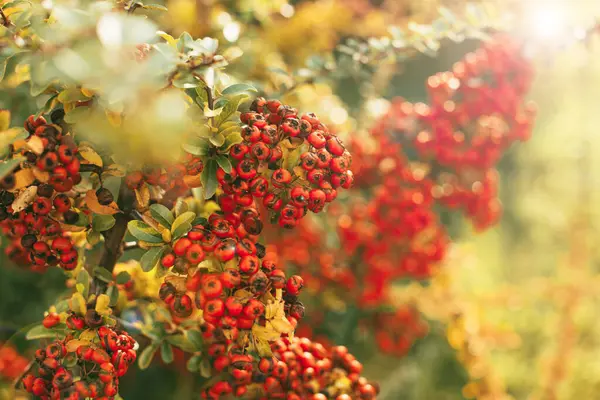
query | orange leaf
[23, 178]
[92, 202]
[192, 181]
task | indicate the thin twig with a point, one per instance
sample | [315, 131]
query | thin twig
[20, 377]
[211, 102]
[5, 21]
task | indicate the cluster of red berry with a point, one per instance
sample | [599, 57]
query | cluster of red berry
[293, 163]
[396, 331]
[228, 292]
[415, 159]
[476, 112]
[12, 365]
[77, 369]
[299, 369]
[33, 204]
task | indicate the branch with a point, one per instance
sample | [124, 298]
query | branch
[113, 238]
[91, 168]
[22, 375]
[5, 21]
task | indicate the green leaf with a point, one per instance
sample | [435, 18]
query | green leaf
[182, 224]
[8, 166]
[166, 352]
[224, 163]
[151, 258]
[182, 342]
[162, 214]
[93, 237]
[181, 206]
[218, 139]
[198, 147]
[123, 277]
[145, 232]
[77, 114]
[71, 95]
[101, 223]
[231, 140]
[185, 40]
[205, 369]
[113, 293]
[195, 338]
[157, 7]
[202, 95]
[83, 278]
[229, 130]
[102, 274]
[230, 108]
[239, 88]
[209, 179]
[200, 221]
[186, 81]
[40, 332]
[193, 364]
[147, 355]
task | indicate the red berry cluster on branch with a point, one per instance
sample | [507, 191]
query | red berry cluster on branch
[417, 160]
[33, 204]
[12, 364]
[292, 162]
[77, 369]
[299, 369]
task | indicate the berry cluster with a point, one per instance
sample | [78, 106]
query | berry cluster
[33, 202]
[299, 369]
[417, 160]
[292, 162]
[234, 257]
[476, 112]
[12, 365]
[77, 369]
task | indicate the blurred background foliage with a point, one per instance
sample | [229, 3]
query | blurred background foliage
[515, 307]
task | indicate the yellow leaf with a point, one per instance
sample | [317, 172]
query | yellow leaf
[23, 178]
[102, 305]
[114, 170]
[89, 154]
[73, 345]
[87, 92]
[263, 348]
[24, 199]
[281, 325]
[4, 119]
[168, 38]
[70, 106]
[142, 195]
[265, 333]
[40, 175]
[88, 335]
[272, 309]
[35, 144]
[243, 295]
[114, 118]
[77, 304]
[166, 236]
[91, 200]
